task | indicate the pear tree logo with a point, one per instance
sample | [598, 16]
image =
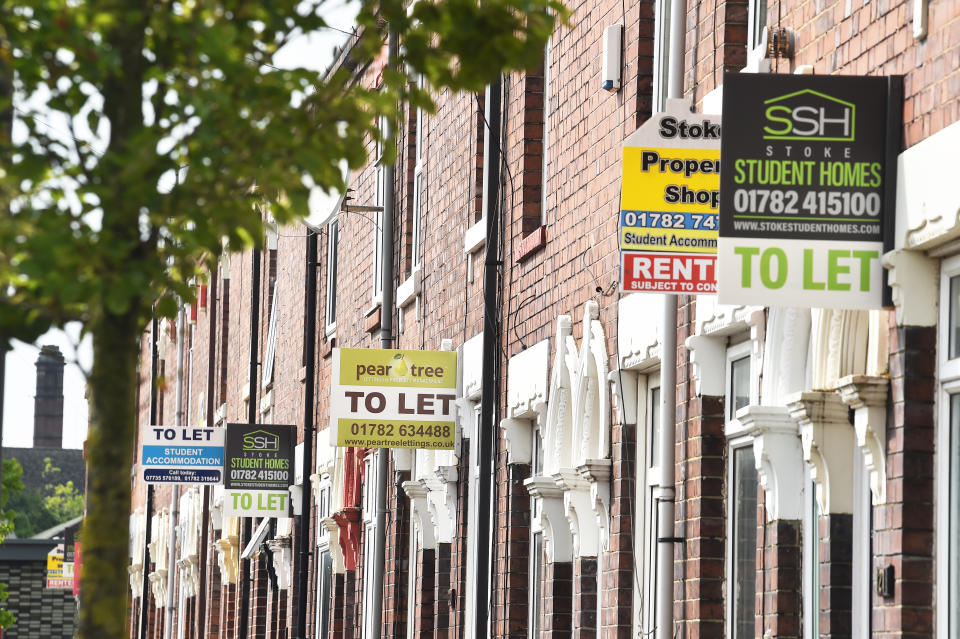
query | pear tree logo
[809, 115]
[399, 367]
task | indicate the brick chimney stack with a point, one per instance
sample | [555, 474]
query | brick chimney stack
[48, 403]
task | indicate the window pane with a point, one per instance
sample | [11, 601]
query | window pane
[654, 425]
[417, 214]
[537, 453]
[333, 239]
[536, 562]
[739, 385]
[759, 10]
[815, 561]
[744, 542]
[326, 578]
[954, 535]
[954, 347]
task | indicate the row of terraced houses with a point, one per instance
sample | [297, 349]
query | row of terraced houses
[816, 479]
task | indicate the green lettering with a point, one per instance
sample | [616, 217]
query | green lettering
[787, 123]
[808, 283]
[865, 258]
[746, 265]
[834, 269]
[825, 174]
[739, 175]
[765, 261]
[877, 175]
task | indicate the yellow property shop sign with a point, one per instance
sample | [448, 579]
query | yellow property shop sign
[382, 398]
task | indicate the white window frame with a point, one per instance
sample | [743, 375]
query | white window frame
[862, 602]
[735, 446]
[737, 438]
[371, 627]
[269, 357]
[418, 185]
[412, 549]
[810, 549]
[735, 354]
[473, 486]
[757, 61]
[322, 607]
[648, 479]
[547, 52]
[534, 600]
[948, 603]
[380, 173]
[333, 257]
[661, 54]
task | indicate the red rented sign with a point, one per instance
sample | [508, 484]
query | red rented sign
[668, 272]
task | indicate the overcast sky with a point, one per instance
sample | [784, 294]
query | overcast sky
[21, 388]
[314, 52]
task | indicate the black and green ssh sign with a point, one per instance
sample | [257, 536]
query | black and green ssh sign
[806, 188]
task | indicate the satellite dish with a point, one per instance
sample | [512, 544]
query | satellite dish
[322, 207]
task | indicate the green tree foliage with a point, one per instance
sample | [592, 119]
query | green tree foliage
[11, 483]
[32, 510]
[182, 130]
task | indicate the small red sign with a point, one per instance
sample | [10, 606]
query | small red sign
[76, 568]
[685, 273]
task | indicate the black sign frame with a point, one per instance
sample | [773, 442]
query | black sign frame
[259, 457]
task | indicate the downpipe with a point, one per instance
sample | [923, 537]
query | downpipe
[175, 489]
[386, 341]
[666, 492]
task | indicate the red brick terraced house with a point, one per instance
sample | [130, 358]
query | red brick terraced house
[817, 451]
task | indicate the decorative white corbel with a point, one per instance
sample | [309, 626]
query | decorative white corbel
[227, 558]
[579, 512]
[158, 585]
[709, 357]
[442, 502]
[778, 456]
[228, 548]
[336, 552]
[867, 396]
[913, 279]
[558, 543]
[216, 508]
[136, 579]
[597, 472]
[282, 560]
[828, 439]
[189, 575]
[417, 493]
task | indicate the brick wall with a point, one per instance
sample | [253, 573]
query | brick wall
[40, 613]
[396, 578]
[835, 599]
[585, 598]
[557, 611]
[700, 499]
[779, 577]
[511, 580]
[904, 535]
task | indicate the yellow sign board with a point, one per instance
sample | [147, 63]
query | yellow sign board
[384, 398]
[669, 203]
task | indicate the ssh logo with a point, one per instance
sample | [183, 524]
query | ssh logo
[260, 441]
[809, 115]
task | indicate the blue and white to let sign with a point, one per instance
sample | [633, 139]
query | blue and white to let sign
[182, 455]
